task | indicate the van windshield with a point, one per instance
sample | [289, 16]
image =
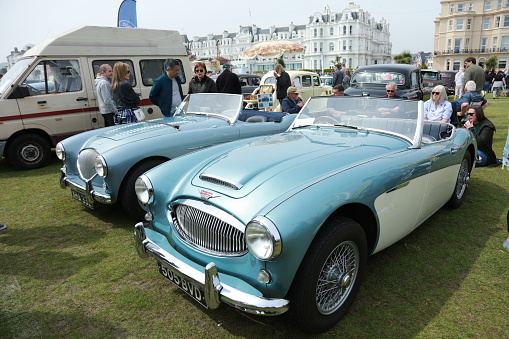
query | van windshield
[13, 73]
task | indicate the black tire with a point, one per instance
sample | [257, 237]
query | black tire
[29, 151]
[127, 195]
[330, 275]
[460, 190]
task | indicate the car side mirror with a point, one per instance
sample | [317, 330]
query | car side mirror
[19, 92]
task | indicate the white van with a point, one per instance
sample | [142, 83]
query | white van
[50, 93]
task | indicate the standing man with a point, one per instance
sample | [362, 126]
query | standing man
[228, 82]
[475, 73]
[337, 78]
[282, 82]
[167, 92]
[458, 83]
[104, 100]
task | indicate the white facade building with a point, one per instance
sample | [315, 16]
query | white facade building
[353, 35]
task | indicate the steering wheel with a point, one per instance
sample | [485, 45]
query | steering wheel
[325, 120]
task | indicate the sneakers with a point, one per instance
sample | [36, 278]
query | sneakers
[506, 244]
[2, 227]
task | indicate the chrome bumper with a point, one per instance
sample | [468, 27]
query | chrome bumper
[215, 291]
[88, 191]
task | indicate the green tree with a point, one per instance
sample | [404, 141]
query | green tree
[404, 58]
[491, 63]
[281, 60]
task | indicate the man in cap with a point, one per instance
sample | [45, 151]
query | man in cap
[228, 82]
[292, 103]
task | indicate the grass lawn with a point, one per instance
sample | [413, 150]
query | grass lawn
[68, 272]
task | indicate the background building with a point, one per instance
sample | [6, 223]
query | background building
[353, 35]
[471, 28]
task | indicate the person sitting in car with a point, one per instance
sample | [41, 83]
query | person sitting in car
[386, 108]
[438, 108]
[292, 103]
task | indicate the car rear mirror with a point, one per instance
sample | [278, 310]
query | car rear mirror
[19, 92]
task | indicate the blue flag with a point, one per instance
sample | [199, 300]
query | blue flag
[127, 14]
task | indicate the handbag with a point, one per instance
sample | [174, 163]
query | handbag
[138, 113]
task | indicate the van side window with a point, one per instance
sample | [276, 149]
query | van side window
[316, 81]
[54, 76]
[154, 68]
[97, 63]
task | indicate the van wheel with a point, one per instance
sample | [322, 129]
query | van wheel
[127, 195]
[29, 151]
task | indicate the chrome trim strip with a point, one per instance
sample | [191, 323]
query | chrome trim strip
[221, 181]
[405, 184]
[99, 197]
[215, 291]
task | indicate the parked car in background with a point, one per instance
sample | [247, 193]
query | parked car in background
[327, 80]
[248, 82]
[430, 78]
[287, 221]
[308, 83]
[371, 81]
[101, 166]
[447, 79]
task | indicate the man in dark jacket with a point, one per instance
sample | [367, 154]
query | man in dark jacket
[337, 78]
[292, 103]
[228, 82]
[167, 92]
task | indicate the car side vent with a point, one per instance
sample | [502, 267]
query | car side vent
[221, 181]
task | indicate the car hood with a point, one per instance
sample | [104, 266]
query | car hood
[154, 128]
[291, 161]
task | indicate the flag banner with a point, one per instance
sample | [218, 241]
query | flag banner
[127, 14]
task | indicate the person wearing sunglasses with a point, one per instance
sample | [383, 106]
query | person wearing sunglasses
[386, 108]
[483, 130]
[201, 83]
[437, 108]
[123, 94]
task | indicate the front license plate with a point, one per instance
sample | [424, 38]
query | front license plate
[81, 198]
[194, 291]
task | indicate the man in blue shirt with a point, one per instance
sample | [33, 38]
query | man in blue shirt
[292, 103]
[167, 92]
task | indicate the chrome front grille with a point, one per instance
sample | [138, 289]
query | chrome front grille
[209, 229]
[86, 160]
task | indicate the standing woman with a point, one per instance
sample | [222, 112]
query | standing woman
[483, 130]
[498, 82]
[123, 94]
[438, 108]
[201, 83]
[346, 79]
[282, 82]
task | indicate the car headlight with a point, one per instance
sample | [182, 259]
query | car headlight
[60, 151]
[144, 190]
[263, 239]
[100, 166]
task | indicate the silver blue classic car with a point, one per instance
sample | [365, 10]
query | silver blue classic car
[287, 221]
[101, 166]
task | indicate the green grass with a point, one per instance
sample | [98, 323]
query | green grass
[67, 272]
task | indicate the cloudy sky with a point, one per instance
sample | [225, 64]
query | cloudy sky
[31, 21]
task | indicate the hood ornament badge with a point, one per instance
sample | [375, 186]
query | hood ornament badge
[207, 195]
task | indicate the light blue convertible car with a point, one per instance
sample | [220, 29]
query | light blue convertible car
[101, 166]
[286, 222]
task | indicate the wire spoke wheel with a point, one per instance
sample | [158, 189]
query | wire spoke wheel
[337, 277]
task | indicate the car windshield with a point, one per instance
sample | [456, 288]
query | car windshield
[13, 74]
[377, 77]
[327, 81]
[430, 75]
[225, 106]
[393, 116]
[270, 81]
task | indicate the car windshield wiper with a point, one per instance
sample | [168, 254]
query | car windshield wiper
[349, 126]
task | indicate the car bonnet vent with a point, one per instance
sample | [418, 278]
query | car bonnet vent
[221, 181]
